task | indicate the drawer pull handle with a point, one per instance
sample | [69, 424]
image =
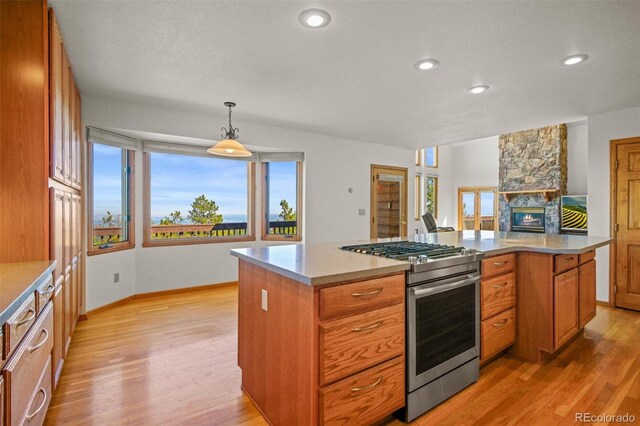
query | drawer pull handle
[368, 327]
[502, 323]
[569, 259]
[27, 319]
[499, 263]
[44, 401]
[367, 293]
[372, 385]
[504, 284]
[48, 291]
[46, 337]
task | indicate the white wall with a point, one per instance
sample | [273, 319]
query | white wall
[578, 157]
[332, 165]
[602, 129]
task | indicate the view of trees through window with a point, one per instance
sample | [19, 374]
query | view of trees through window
[110, 209]
[431, 195]
[282, 198]
[197, 197]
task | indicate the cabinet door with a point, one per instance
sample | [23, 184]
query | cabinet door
[565, 307]
[66, 119]
[67, 232]
[1, 401]
[57, 231]
[58, 332]
[79, 138]
[68, 311]
[587, 292]
[55, 99]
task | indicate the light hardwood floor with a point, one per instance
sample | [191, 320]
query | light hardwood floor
[172, 360]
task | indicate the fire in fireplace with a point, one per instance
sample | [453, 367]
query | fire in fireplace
[527, 219]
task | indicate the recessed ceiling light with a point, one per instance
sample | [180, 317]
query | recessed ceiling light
[427, 64]
[575, 59]
[314, 18]
[478, 89]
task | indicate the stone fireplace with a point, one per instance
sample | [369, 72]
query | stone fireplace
[533, 160]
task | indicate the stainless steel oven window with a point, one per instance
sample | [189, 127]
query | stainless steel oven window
[443, 328]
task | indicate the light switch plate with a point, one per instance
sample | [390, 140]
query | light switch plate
[265, 300]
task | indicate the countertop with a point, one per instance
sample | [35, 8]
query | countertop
[325, 263]
[18, 281]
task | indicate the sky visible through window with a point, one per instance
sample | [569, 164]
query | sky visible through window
[430, 156]
[176, 181]
[486, 203]
[107, 182]
[282, 186]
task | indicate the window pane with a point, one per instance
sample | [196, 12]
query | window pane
[468, 210]
[197, 197]
[431, 156]
[109, 195]
[487, 210]
[431, 195]
[282, 198]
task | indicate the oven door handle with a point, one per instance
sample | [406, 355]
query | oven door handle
[422, 292]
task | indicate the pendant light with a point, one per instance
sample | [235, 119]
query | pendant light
[229, 146]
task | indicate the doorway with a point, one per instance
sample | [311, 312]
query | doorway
[388, 201]
[478, 208]
[625, 223]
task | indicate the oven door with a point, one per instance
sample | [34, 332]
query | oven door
[443, 327]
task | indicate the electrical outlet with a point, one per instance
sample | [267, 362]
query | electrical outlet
[362, 212]
[265, 300]
[116, 277]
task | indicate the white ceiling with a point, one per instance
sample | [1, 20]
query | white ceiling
[355, 78]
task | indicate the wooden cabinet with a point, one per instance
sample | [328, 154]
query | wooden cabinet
[19, 324]
[565, 307]
[2, 391]
[59, 340]
[555, 300]
[341, 356]
[25, 370]
[497, 305]
[587, 292]
[55, 105]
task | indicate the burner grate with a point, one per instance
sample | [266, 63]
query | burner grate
[402, 250]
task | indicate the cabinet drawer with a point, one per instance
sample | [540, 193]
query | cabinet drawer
[361, 296]
[564, 262]
[498, 333]
[19, 323]
[43, 294]
[41, 398]
[22, 372]
[586, 257]
[498, 265]
[352, 344]
[498, 294]
[365, 397]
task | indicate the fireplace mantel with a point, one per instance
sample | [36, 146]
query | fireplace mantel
[547, 193]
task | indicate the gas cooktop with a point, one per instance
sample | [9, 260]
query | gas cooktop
[406, 250]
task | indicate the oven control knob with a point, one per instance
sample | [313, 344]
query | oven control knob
[422, 258]
[469, 251]
[413, 260]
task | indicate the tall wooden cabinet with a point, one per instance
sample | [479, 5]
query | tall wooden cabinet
[41, 160]
[66, 148]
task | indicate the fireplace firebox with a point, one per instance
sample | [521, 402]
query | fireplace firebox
[527, 219]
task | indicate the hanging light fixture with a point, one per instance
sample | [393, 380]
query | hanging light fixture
[229, 146]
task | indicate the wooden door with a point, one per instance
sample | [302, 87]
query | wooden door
[478, 209]
[565, 307]
[627, 224]
[388, 202]
[66, 119]
[55, 99]
[587, 292]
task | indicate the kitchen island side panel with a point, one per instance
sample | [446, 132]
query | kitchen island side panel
[277, 348]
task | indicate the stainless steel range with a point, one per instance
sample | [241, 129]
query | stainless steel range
[443, 319]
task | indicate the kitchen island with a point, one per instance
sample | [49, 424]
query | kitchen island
[321, 332]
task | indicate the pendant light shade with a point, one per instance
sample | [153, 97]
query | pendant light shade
[229, 146]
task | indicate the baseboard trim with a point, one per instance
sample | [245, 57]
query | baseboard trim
[155, 294]
[82, 317]
[601, 303]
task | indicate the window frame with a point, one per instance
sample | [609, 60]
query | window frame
[419, 156]
[435, 192]
[264, 208]
[146, 230]
[435, 158]
[476, 214]
[93, 250]
[418, 197]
